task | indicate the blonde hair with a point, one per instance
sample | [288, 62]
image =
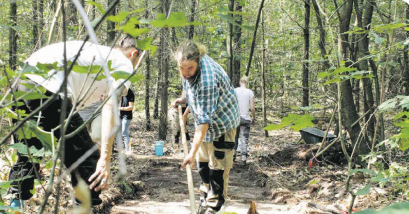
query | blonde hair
[244, 79]
[189, 50]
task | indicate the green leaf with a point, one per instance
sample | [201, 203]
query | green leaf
[133, 31]
[49, 164]
[298, 122]
[29, 95]
[85, 69]
[144, 44]
[389, 104]
[314, 181]
[97, 5]
[364, 191]
[177, 20]
[118, 18]
[123, 75]
[397, 208]
[303, 122]
[160, 21]
[47, 67]
[195, 23]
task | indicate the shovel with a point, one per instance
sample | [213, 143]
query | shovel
[188, 168]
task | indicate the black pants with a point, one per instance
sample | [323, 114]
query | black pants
[75, 147]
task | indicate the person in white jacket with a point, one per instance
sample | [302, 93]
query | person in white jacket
[87, 93]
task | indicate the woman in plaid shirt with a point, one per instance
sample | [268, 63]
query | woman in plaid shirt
[213, 103]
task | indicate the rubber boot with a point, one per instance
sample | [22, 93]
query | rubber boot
[217, 187]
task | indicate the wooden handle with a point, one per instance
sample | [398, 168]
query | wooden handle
[188, 168]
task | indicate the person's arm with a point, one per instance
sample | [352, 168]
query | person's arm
[253, 110]
[128, 108]
[200, 133]
[100, 178]
[180, 100]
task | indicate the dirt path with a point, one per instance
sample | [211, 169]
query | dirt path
[165, 190]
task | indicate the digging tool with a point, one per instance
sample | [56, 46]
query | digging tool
[188, 168]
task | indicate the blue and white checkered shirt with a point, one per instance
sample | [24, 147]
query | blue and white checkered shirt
[212, 99]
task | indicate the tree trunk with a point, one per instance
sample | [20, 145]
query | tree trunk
[263, 78]
[157, 90]
[253, 44]
[237, 44]
[34, 38]
[13, 36]
[363, 46]
[321, 42]
[230, 43]
[147, 81]
[305, 65]
[41, 22]
[165, 71]
[406, 59]
[348, 110]
[192, 19]
[111, 26]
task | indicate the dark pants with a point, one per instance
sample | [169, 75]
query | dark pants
[75, 147]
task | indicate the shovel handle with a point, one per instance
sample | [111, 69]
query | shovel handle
[188, 167]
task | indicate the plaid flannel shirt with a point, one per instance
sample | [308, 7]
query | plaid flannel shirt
[212, 99]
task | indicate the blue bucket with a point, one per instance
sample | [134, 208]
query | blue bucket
[159, 148]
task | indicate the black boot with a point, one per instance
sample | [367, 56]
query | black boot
[217, 186]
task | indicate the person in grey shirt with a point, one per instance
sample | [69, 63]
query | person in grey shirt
[245, 98]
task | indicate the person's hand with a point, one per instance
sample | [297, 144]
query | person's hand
[189, 159]
[100, 178]
[176, 102]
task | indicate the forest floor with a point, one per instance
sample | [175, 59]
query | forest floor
[277, 178]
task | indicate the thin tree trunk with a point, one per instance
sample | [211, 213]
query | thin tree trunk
[147, 81]
[305, 65]
[93, 11]
[321, 42]
[192, 19]
[363, 46]
[263, 78]
[41, 22]
[237, 45]
[406, 59]
[111, 26]
[157, 90]
[165, 70]
[13, 36]
[253, 44]
[230, 42]
[34, 38]
[348, 110]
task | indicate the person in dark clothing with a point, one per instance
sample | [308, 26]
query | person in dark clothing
[127, 104]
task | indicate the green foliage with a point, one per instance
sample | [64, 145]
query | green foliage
[123, 75]
[344, 73]
[97, 5]
[397, 208]
[175, 20]
[296, 122]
